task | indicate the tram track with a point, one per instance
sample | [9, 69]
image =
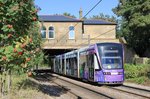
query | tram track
[142, 89]
[101, 90]
[143, 93]
[46, 79]
[103, 96]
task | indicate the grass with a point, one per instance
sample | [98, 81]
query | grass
[23, 88]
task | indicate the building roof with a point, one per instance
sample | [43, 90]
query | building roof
[62, 18]
[97, 22]
[57, 18]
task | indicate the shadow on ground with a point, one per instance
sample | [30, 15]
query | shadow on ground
[51, 90]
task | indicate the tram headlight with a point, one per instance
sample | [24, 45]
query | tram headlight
[105, 78]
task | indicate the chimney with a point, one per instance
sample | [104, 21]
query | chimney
[80, 13]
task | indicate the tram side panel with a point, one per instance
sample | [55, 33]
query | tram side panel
[56, 67]
[98, 71]
[83, 65]
[72, 64]
[100, 63]
[63, 65]
[87, 62]
[91, 69]
[58, 64]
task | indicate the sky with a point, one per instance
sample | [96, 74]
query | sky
[50, 7]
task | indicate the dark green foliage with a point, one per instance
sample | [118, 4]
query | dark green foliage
[148, 61]
[135, 23]
[135, 71]
[109, 18]
[104, 17]
[19, 34]
[139, 80]
[68, 14]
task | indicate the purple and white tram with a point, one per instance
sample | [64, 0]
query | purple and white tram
[100, 62]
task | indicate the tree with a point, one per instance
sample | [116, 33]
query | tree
[135, 23]
[104, 17]
[109, 18]
[68, 14]
[19, 32]
[19, 37]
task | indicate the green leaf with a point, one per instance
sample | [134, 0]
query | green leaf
[1, 50]
[1, 36]
[135, 23]
[8, 50]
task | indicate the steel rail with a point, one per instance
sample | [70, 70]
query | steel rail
[81, 87]
[129, 92]
[47, 79]
[110, 88]
[141, 89]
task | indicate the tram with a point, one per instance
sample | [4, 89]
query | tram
[101, 62]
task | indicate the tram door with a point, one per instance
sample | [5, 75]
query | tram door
[91, 66]
[82, 65]
[63, 66]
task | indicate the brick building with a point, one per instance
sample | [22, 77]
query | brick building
[62, 33]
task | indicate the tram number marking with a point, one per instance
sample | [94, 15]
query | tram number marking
[114, 73]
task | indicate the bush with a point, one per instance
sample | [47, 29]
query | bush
[148, 61]
[134, 71]
[140, 80]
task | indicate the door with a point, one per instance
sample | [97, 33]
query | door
[91, 66]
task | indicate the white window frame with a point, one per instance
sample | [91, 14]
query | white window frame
[43, 30]
[53, 31]
[71, 38]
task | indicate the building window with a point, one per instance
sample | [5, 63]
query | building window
[71, 32]
[43, 32]
[51, 32]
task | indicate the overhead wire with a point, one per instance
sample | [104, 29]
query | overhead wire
[80, 19]
[97, 36]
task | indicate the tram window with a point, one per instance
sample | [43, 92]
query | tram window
[96, 62]
[70, 66]
[63, 65]
[73, 66]
[91, 60]
[111, 53]
[82, 65]
[67, 66]
[75, 63]
[112, 62]
[57, 65]
[82, 60]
